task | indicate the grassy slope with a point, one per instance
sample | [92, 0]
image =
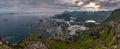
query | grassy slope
[85, 41]
[4, 46]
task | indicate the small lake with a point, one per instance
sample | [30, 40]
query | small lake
[13, 26]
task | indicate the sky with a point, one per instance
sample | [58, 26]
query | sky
[58, 5]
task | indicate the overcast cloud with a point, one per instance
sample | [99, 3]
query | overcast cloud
[58, 5]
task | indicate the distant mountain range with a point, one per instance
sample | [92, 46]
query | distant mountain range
[84, 15]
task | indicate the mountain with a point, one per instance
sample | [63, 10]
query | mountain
[99, 37]
[84, 15]
[115, 15]
[107, 36]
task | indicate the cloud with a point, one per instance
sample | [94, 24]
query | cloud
[58, 5]
[95, 5]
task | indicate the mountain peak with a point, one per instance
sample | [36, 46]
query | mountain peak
[117, 9]
[115, 16]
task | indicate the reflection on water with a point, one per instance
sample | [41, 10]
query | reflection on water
[13, 27]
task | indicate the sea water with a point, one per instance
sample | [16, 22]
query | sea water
[13, 26]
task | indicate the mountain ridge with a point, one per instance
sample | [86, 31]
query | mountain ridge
[84, 15]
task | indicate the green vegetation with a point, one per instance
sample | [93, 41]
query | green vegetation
[55, 44]
[4, 46]
[30, 38]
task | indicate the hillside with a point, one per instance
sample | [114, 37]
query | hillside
[100, 37]
[108, 36]
[115, 16]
